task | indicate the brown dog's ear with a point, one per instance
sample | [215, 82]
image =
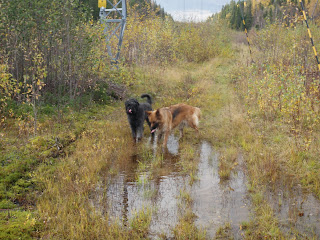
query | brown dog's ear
[148, 112]
[158, 113]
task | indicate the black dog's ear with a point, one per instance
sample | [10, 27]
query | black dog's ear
[135, 101]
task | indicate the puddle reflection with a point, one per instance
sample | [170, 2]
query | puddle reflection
[296, 209]
[125, 198]
[172, 145]
[131, 191]
[215, 202]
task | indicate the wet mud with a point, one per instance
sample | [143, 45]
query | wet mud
[215, 201]
[218, 202]
[131, 191]
[298, 211]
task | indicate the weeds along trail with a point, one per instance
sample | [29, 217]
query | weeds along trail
[280, 192]
[65, 203]
[202, 187]
[281, 208]
[70, 170]
[105, 162]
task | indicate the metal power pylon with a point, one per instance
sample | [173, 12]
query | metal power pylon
[113, 16]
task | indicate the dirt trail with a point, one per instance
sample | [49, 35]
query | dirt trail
[155, 181]
[214, 203]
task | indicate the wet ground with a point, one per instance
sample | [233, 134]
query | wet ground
[298, 212]
[218, 202]
[215, 202]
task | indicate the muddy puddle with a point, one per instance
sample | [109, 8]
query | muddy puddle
[215, 202]
[219, 202]
[132, 190]
[298, 212]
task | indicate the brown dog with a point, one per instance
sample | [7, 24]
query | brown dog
[167, 118]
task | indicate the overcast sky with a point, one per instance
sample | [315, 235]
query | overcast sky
[195, 10]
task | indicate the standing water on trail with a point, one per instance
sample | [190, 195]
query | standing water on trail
[214, 203]
[296, 210]
[218, 202]
[132, 190]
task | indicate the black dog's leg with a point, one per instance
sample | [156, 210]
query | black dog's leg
[134, 133]
[139, 133]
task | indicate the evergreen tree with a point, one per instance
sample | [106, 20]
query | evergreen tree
[248, 16]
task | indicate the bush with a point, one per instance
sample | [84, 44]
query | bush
[279, 86]
[153, 40]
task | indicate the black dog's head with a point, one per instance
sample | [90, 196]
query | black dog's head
[132, 106]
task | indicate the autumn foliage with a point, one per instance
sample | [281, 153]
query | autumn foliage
[54, 55]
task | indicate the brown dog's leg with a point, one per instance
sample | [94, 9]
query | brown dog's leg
[181, 130]
[159, 137]
[197, 130]
[166, 136]
[195, 127]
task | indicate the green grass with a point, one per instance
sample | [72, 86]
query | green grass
[140, 223]
[27, 161]
[74, 150]
[186, 228]
[19, 224]
[224, 232]
[227, 162]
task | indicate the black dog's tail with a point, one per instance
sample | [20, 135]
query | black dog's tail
[149, 100]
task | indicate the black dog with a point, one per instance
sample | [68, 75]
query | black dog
[136, 113]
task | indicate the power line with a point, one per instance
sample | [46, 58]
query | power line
[245, 28]
[309, 32]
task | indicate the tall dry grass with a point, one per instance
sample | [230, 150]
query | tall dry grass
[150, 39]
[281, 92]
[64, 205]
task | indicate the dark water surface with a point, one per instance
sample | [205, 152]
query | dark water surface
[215, 203]
[218, 202]
[296, 210]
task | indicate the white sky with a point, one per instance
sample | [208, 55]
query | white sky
[191, 10]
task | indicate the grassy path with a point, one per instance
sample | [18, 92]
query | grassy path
[73, 202]
[106, 149]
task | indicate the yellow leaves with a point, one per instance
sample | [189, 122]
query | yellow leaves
[280, 93]
[8, 89]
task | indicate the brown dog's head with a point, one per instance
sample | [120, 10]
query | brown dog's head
[154, 119]
[160, 119]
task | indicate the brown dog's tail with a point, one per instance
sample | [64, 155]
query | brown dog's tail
[149, 100]
[198, 113]
[197, 116]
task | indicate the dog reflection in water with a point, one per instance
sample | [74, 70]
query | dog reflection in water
[164, 120]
